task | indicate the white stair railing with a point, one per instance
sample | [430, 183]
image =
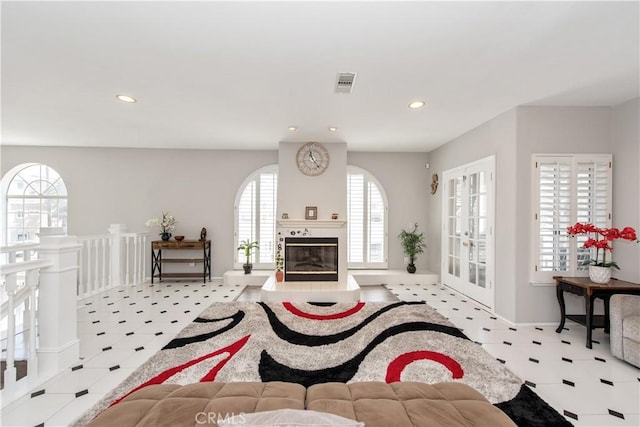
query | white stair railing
[135, 256]
[55, 270]
[19, 279]
[93, 263]
[109, 260]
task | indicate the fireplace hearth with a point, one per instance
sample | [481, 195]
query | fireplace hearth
[311, 259]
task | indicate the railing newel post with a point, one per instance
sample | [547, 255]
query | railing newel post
[59, 346]
[117, 254]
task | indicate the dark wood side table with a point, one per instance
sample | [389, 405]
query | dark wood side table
[203, 248]
[584, 287]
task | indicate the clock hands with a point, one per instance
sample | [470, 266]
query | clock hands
[313, 159]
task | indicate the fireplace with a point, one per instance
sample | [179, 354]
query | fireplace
[311, 259]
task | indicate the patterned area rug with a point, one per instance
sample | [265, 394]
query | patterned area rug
[314, 343]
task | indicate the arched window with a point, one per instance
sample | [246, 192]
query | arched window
[255, 216]
[35, 197]
[366, 220]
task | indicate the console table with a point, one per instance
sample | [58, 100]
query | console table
[590, 291]
[158, 260]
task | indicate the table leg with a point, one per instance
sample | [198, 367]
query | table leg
[560, 295]
[588, 310]
[153, 265]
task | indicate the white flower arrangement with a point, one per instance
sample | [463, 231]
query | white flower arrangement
[166, 224]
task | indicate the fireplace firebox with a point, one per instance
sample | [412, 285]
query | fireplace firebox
[311, 259]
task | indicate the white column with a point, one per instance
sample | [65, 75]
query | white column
[117, 276]
[59, 346]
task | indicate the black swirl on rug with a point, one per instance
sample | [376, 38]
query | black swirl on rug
[181, 342]
[322, 304]
[528, 409]
[297, 338]
[271, 370]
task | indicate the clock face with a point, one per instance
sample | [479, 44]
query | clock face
[312, 158]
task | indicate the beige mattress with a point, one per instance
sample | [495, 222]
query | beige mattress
[377, 404]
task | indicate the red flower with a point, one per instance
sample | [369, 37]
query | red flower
[595, 241]
[611, 233]
[628, 233]
[603, 244]
[590, 228]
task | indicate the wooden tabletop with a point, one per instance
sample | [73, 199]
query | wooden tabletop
[585, 282]
[183, 244]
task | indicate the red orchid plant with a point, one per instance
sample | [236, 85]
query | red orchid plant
[601, 239]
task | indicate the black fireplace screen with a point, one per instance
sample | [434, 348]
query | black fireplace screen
[311, 259]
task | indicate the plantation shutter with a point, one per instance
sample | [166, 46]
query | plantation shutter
[592, 202]
[554, 214]
[246, 217]
[268, 201]
[355, 217]
[376, 224]
[366, 221]
[568, 189]
[256, 217]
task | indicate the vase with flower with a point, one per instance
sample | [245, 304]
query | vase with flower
[601, 240]
[166, 224]
[279, 267]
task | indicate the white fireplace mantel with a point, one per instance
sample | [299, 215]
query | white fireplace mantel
[308, 223]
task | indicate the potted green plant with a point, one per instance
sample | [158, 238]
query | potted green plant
[247, 246]
[279, 267]
[412, 245]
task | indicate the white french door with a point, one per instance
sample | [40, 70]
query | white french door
[468, 208]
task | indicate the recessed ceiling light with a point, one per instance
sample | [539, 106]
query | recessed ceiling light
[332, 129]
[416, 104]
[293, 128]
[126, 98]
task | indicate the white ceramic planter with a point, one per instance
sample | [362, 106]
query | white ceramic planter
[599, 274]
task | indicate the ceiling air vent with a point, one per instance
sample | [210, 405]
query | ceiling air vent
[345, 82]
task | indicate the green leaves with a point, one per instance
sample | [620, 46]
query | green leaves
[412, 242]
[248, 246]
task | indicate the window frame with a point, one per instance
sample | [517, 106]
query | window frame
[538, 277]
[383, 265]
[238, 259]
[63, 196]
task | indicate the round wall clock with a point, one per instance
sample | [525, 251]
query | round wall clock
[312, 158]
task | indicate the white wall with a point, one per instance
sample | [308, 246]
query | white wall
[497, 136]
[549, 130]
[129, 186]
[327, 191]
[514, 137]
[406, 182]
[626, 189]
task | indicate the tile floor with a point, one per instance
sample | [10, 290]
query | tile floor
[123, 327]
[590, 387]
[119, 330]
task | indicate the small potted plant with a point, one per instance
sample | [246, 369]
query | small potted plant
[247, 246]
[279, 267]
[412, 245]
[166, 224]
[601, 238]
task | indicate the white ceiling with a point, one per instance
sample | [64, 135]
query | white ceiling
[235, 75]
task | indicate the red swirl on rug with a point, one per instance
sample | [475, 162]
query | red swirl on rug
[395, 368]
[295, 310]
[210, 376]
